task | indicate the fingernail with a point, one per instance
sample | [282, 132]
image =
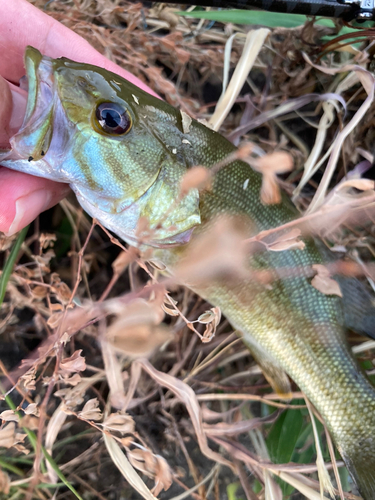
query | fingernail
[12, 110]
[28, 208]
[19, 108]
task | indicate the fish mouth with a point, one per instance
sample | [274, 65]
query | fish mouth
[33, 59]
[39, 75]
[34, 136]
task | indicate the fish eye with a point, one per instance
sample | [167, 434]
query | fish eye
[113, 118]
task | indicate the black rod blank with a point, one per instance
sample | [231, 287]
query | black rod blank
[324, 8]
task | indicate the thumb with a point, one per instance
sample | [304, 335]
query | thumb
[22, 197]
[12, 110]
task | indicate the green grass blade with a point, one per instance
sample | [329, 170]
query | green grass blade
[283, 436]
[4, 278]
[235, 16]
[260, 17]
[9, 264]
[4, 464]
[282, 442]
[232, 491]
[33, 440]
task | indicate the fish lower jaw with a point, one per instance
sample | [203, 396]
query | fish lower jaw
[126, 225]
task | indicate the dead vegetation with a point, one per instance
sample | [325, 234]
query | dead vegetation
[130, 386]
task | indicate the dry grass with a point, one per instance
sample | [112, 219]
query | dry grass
[175, 417]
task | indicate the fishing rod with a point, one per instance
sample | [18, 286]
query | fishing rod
[360, 10]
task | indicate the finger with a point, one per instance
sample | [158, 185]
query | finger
[12, 111]
[23, 198]
[22, 24]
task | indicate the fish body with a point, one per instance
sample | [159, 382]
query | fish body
[124, 154]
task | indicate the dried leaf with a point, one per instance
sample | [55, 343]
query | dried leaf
[74, 319]
[61, 392]
[119, 422]
[55, 319]
[114, 375]
[153, 466]
[124, 466]
[46, 240]
[143, 226]
[137, 340]
[124, 259]
[28, 379]
[323, 282]
[169, 305]
[127, 441]
[169, 15]
[195, 178]
[76, 363]
[186, 395]
[63, 292]
[186, 122]
[142, 459]
[65, 338]
[368, 82]
[9, 437]
[169, 310]
[29, 422]
[338, 249]
[44, 260]
[254, 42]
[210, 318]
[9, 416]
[6, 241]
[91, 410]
[269, 166]
[208, 334]
[204, 122]
[21, 448]
[324, 479]
[136, 331]
[183, 56]
[360, 184]
[213, 315]
[287, 241]
[39, 292]
[32, 409]
[244, 151]
[73, 380]
[162, 475]
[4, 482]
[219, 251]
[157, 264]
[278, 162]
[272, 489]
[56, 307]
[139, 311]
[270, 191]
[72, 398]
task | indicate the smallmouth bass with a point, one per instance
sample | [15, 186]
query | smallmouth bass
[124, 154]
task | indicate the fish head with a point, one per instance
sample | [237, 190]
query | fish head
[123, 151]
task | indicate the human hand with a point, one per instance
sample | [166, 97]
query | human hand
[23, 197]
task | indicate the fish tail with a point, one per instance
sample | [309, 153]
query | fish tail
[360, 463]
[361, 466]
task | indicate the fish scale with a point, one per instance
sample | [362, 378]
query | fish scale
[289, 326]
[300, 328]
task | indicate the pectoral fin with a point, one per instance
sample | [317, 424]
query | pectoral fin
[272, 371]
[359, 306]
